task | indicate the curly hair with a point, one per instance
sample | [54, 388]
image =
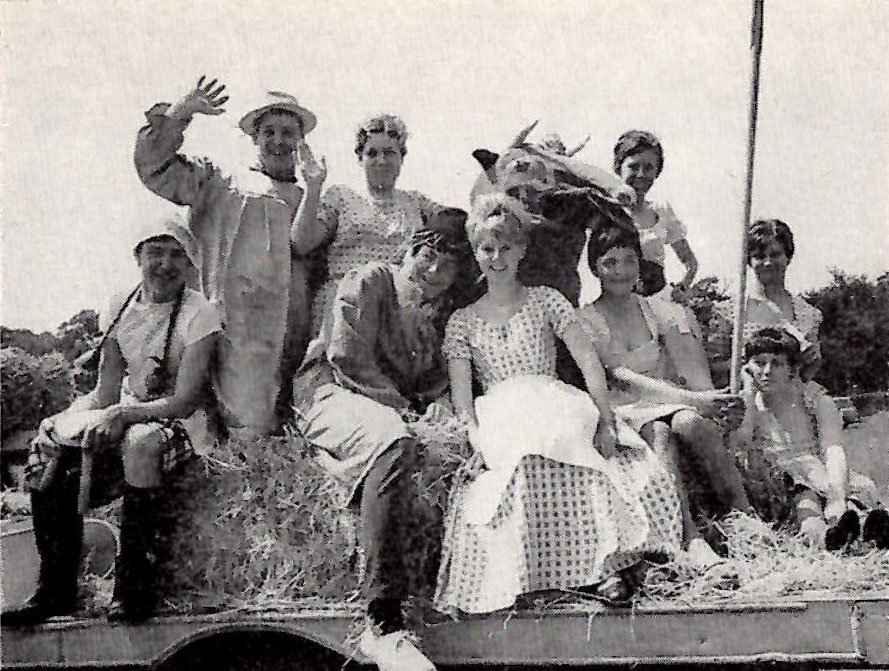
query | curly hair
[772, 340]
[503, 216]
[610, 237]
[391, 125]
[634, 142]
[764, 231]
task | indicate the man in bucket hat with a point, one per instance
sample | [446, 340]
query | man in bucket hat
[242, 224]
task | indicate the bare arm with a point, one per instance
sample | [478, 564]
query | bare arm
[112, 369]
[191, 382]
[689, 260]
[689, 358]
[830, 436]
[460, 376]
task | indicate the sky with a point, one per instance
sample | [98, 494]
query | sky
[77, 77]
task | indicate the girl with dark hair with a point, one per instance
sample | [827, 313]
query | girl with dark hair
[639, 160]
[769, 303]
[640, 347]
[799, 430]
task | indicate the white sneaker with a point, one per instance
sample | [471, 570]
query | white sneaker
[393, 652]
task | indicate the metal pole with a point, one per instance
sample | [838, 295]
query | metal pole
[738, 333]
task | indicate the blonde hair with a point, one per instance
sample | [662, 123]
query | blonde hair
[502, 216]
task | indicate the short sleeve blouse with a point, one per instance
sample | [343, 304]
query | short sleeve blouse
[525, 345]
[363, 231]
[661, 227]
[141, 334]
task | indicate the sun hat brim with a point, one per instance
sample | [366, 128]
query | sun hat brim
[309, 121]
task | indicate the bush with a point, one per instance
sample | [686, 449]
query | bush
[34, 387]
[854, 334]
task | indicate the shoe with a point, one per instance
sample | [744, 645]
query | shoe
[36, 610]
[393, 652]
[843, 533]
[876, 529]
[121, 611]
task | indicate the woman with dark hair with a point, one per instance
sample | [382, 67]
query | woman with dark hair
[354, 227]
[639, 160]
[769, 303]
[653, 388]
[798, 428]
[378, 356]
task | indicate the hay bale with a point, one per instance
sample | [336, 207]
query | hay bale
[255, 524]
[765, 563]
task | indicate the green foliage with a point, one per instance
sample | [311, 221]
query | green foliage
[37, 371]
[854, 334]
[34, 387]
[706, 300]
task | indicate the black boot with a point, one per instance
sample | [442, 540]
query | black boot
[134, 597]
[876, 529]
[58, 533]
[843, 533]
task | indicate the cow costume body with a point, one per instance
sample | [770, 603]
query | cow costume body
[565, 197]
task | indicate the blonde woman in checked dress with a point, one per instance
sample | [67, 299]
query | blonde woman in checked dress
[567, 499]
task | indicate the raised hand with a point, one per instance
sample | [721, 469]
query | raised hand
[313, 172]
[202, 99]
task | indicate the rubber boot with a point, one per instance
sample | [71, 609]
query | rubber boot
[134, 596]
[58, 534]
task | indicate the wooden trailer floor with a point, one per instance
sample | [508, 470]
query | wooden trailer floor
[825, 633]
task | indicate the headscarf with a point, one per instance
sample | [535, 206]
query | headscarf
[173, 227]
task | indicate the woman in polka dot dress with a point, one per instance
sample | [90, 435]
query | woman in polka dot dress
[355, 227]
[567, 498]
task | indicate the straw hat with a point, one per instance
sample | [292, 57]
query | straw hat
[278, 100]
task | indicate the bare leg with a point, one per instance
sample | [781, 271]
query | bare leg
[810, 516]
[657, 434]
[702, 439]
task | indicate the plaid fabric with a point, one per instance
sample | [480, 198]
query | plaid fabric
[48, 462]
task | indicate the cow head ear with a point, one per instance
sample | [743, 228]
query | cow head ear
[487, 159]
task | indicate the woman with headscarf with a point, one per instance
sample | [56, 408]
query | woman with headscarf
[155, 354]
[377, 359]
[352, 227]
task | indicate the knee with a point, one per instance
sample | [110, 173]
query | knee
[142, 451]
[693, 429]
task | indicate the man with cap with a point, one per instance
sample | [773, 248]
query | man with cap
[378, 355]
[242, 223]
[136, 425]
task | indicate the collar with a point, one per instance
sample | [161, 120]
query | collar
[289, 180]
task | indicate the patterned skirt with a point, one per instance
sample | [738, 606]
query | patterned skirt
[558, 526]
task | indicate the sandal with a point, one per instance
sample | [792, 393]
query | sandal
[613, 591]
